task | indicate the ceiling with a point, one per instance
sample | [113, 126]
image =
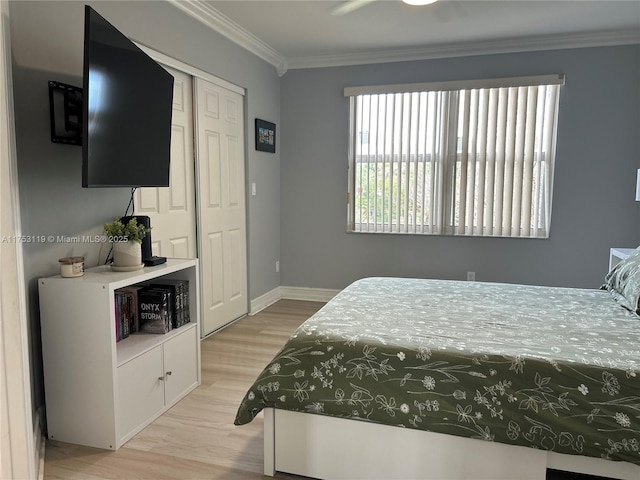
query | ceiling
[305, 33]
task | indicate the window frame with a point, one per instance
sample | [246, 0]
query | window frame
[443, 223]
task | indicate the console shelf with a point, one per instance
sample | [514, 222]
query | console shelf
[100, 392]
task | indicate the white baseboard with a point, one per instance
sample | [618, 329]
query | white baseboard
[291, 293]
[263, 301]
[308, 294]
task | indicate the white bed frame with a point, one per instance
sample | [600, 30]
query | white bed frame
[333, 448]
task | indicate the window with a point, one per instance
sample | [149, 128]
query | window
[455, 158]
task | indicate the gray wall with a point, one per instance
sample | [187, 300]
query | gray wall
[47, 45]
[299, 214]
[598, 152]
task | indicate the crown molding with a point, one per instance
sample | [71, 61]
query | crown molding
[245, 39]
[549, 42]
[234, 32]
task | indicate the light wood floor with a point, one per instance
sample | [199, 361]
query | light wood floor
[196, 439]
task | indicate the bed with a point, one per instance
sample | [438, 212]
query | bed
[414, 378]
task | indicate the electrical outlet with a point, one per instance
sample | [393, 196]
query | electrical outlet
[471, 276]
[277, 266]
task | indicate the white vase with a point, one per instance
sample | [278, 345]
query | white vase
[127, 254]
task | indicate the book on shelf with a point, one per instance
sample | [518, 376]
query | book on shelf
[155, 307]
[151, 307]
[126, 312]
[118, 317]
[179, 291]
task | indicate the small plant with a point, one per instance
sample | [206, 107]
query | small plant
[117, 231]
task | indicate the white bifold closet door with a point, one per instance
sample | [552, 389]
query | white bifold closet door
[222, 231]
[202, 213]
[173, 210]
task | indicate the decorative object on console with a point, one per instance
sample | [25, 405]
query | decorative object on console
[71, 266]
[127, 243]
[265, 136]
[127, 256]
[148, 258]
[145, 242]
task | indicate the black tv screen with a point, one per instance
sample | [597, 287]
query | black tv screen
[127, 107]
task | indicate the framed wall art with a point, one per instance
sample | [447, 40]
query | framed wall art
[265, 136]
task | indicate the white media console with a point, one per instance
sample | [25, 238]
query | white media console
[100, 392]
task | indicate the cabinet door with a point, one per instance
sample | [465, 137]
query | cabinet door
[141, 392]
[180, 364]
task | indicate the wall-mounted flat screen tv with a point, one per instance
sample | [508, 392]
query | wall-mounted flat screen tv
[127, 111]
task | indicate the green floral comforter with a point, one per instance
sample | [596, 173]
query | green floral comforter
[549, 368]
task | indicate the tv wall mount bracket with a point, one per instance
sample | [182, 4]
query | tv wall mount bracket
[65, 108]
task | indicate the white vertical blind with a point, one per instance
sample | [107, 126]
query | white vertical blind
[469, 161]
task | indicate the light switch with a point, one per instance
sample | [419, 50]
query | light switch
[253, 189]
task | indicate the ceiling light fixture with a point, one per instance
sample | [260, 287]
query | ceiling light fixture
[419, 2]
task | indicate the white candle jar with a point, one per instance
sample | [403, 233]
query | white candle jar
[71, 266]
